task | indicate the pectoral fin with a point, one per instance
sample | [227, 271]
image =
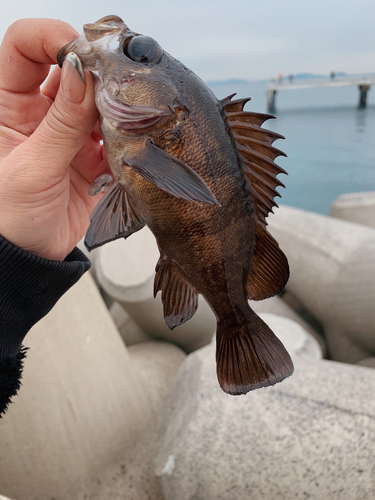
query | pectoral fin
[170, 174]
[115, 216]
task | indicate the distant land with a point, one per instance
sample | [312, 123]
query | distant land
[234, 80]
[297, 76]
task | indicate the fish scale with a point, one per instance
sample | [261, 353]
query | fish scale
[200, 173]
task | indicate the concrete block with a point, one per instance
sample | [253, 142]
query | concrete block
[126, 270]
[82, 405]
[296, 339]
[369, 362]
[332, 273]
[92, 257]
[278, 306]
[130, 332]
[311, 436]
[355, 207]
[132, 477]
[157, 364]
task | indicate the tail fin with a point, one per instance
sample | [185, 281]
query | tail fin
[250, 357]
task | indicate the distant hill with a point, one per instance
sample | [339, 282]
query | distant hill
[301, 76]
[297, 76]
[234, 80]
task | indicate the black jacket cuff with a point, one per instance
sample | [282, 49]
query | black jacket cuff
[29, 287]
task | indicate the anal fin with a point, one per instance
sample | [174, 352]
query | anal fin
[270, 270]
[250, 357]
[179, 297]
[115, 216]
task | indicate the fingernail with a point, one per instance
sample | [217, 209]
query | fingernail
[73, 83]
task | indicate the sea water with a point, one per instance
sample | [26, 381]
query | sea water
[330, 141]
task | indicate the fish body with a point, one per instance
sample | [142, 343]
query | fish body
[200, 173]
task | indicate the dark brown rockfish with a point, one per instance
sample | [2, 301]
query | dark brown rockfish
[201, 174]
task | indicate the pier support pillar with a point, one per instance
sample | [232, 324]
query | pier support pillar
[271, 97]
[363, 89]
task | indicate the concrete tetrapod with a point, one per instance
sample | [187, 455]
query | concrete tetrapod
[130, 332]
[126, 270]
[311, 436]
[92, 256]
[277, 306]
[133, 478]
[332, 273]
[355, 207]
[83, 407]
[370, 362]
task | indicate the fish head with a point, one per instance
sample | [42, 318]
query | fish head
[134, 90]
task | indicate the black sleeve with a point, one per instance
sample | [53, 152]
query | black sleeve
[29, 287]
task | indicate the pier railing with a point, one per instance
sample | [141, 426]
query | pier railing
[363, 84]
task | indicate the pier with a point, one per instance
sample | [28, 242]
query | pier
[363, 84]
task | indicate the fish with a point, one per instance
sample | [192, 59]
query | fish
[200, 173]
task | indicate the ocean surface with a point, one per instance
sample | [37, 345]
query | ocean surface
[330, 141]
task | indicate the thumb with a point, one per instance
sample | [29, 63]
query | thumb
[68, 123]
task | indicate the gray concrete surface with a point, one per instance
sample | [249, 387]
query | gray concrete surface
[311, 436]
[355, 207]
[332, 266]
[82, 425]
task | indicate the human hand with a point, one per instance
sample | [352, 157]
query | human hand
[49, 150]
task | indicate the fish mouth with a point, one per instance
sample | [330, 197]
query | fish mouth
[127, 117]
[139, 125]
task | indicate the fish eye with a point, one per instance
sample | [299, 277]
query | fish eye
[143, 49]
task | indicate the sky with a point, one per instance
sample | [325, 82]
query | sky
[234, 39]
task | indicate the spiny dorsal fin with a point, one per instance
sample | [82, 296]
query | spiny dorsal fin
[254, 146]
[251, 130]
[179, 297]
[234, 106]
[251, 118]
[269, 270]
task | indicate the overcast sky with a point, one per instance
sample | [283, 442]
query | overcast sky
[227, 39]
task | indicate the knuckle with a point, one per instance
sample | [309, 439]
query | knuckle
[64, 122]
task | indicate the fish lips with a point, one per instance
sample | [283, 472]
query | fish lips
[128, 117]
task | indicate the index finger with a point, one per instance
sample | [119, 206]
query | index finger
[28, 49]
